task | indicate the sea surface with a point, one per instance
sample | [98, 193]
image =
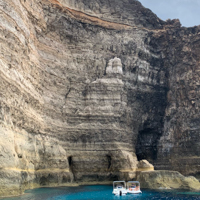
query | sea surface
[101, 192]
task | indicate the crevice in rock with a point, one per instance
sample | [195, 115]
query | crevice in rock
[67, 93]
[71, 166]
[109, 159]
[146, 147]
[70, 162]
[19, 155]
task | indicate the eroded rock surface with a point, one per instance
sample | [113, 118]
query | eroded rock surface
[163, 179]
[144, 165]
[70, 111]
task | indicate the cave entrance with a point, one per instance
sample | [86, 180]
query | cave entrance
[70, 163]
[146, 146]
[71, 166]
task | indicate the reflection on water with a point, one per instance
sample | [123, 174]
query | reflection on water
[101, 192]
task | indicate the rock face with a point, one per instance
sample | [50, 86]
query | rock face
[144, 165]
[88, 88]
[178, 147]
[162, 179]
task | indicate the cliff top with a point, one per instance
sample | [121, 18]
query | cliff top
[126, 12]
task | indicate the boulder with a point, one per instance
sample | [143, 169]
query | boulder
[144, 165]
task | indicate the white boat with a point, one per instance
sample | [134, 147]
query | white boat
[119, 188]
[133, 187]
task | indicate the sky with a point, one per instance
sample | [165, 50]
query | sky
[187, 11]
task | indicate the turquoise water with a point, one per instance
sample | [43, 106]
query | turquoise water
[101, 192]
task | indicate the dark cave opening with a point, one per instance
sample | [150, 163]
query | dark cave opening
[70, 162]
[43, 180]
[146, 147]
[109, 159]
[71, 166]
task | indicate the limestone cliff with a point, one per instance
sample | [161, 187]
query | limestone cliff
[70, 111]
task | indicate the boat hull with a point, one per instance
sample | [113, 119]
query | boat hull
[134, 192]
[119, 192]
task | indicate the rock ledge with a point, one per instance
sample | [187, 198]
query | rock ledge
[163, 179]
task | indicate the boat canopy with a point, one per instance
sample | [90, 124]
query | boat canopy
[133, 184]
[136, 183]
[119, 183]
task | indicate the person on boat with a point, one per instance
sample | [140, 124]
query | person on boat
[137, 188]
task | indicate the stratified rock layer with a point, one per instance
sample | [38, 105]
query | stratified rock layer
[69, 113]
[162, 179]
[178, 147]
